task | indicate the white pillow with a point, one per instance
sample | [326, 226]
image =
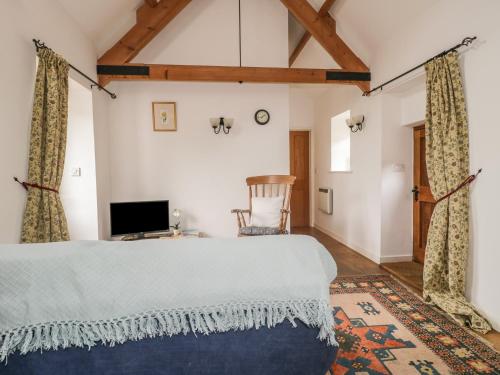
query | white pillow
[266, 212]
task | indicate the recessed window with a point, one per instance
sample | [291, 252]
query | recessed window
[78, 191]
[340, 143]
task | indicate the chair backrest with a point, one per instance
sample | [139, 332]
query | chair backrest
[271, 186]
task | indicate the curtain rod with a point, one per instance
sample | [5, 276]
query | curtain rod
[466, 42]
[239, 28]
[41, 45]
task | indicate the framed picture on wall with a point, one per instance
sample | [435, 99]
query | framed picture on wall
[164, 117]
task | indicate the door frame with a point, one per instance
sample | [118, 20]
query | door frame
[312, 170]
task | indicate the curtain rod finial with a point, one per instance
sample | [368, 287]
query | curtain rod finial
[468, 40]
[39, 44]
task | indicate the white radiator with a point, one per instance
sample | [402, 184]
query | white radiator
[325, 200]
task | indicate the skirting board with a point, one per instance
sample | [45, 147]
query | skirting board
[396, 259]
[356, 248]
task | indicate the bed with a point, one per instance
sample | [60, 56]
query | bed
[196, 306]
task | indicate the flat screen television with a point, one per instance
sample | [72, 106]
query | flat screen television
[139, 217]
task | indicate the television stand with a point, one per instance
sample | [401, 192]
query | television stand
[164, 236]
[145, 236]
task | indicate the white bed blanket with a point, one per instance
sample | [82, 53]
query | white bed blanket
[80, 293]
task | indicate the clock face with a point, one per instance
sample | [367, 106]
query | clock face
[262, 117]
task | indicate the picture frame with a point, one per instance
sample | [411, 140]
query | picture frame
[164, 117]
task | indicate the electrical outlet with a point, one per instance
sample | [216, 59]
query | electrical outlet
[76, 172]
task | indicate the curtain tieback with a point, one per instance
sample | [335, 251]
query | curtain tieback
[27, 184]
[464, 183]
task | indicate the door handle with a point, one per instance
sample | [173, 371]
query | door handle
[415, 192]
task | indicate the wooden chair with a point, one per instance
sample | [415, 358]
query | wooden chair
[266, 186]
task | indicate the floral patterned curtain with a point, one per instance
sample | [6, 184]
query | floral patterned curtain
[44, 219]
[447, 157]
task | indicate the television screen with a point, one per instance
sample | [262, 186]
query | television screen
[139, 217]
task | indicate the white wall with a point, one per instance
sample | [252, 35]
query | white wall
[386, 142]
[100, 104]
[412, 95]
[314, 56]
[206, 33]
[201, 173]
[302, 108]
[264, 35]
[78, 193]
[396, 183]
[443, 26]
[20, 22]
[356, 195]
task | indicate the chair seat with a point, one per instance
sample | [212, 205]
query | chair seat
[260, 231]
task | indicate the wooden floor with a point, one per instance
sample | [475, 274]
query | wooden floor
[351, 263]
[410, 273]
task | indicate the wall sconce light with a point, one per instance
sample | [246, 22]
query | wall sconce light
[221, 123]
[355, 123]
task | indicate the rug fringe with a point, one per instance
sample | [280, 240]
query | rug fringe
[204, 320]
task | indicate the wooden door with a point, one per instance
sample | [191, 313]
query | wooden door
[423, 202]
[299, 167]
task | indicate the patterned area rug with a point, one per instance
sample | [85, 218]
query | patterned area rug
[382, 328]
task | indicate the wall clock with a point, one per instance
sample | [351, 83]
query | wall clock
[262, 117]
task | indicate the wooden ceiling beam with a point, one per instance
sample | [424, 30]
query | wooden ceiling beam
[152, 3]
[151, 18]
[200, 73]
[322, 27]
[325, 8]
[298, 49]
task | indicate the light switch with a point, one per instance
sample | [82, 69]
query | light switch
[76, 172]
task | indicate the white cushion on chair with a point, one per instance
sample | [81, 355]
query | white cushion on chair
[266, 211]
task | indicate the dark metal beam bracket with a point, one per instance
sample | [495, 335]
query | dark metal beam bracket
[123, 70]
[348, 76]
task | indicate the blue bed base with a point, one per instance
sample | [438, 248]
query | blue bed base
[279, 350]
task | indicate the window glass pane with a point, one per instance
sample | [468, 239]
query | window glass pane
[340, 143]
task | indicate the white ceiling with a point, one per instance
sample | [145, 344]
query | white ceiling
[363, 24]
[104, 21]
